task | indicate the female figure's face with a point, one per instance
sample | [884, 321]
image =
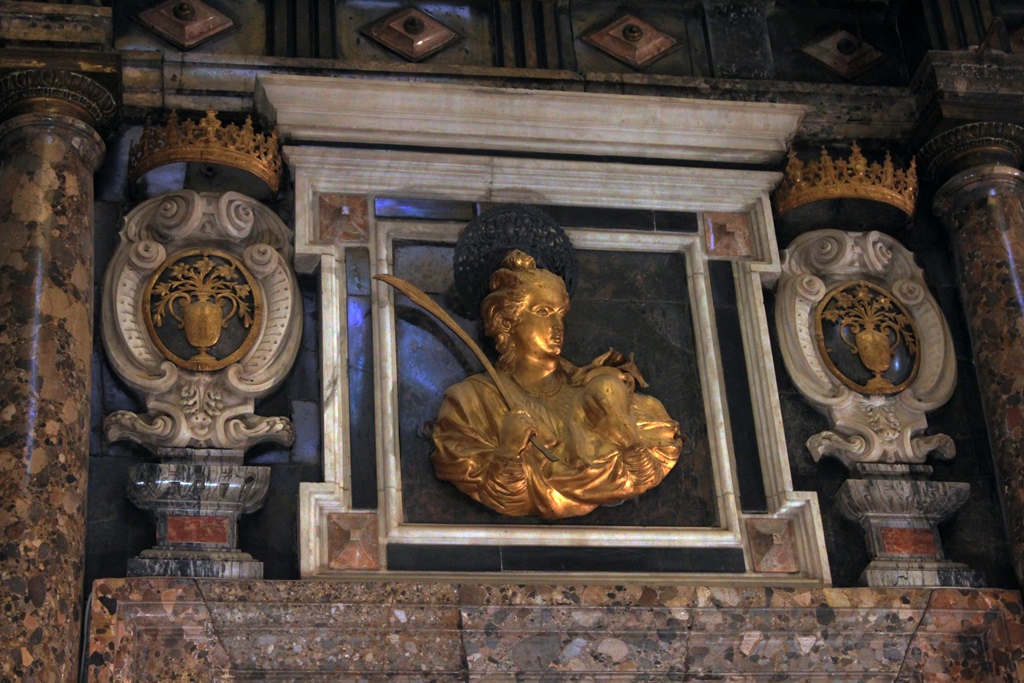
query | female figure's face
[540, 331]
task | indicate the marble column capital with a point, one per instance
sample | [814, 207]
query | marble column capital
[56, 92]
[985, 143]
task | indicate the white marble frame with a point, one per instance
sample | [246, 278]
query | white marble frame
[614, 185]
[388, 447]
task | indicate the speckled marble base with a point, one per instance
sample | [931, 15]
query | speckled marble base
[46, 279]
[349, 631]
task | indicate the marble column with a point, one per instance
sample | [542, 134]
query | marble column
[980, 201]
[49, 150]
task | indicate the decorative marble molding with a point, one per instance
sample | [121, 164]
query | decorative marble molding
[190, 408]
[868, 428]
[63, 90]
[316, 111]
[141, 629]
[973, 144]
[900, 518]
[368, 111]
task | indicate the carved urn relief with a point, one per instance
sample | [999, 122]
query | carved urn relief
[866, 344]
[201, 316]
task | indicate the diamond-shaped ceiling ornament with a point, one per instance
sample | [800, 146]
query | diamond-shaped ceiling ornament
[844, 53]
[632, 41]
[411, 33]
[185, 23]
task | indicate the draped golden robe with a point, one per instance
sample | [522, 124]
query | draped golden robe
[591, 469]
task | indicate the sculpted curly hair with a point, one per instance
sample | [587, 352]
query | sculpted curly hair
[509, 290]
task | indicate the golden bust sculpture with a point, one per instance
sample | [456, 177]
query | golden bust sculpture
[608, 442]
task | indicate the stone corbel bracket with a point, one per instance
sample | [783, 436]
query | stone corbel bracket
[189, 408]
[866, 428]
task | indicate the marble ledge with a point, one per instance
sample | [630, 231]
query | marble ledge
[208, 630]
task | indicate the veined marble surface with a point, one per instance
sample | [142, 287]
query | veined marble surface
[201, 630]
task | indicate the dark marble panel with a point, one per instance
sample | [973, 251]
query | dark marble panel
[723, 284]
[476, 558]
[115, 529]
[271, 533]
[977, 536]
[362, 429]
[425, 209]
[731, 23]
[548, 558]
[402, 557]
[967, 386]
[737, 390]
[632, 276]
[675, 221]
[599, 218]
[308, 446]
[948, 298]
[298, 397]
[632, 302]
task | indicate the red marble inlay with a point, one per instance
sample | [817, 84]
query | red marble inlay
[728, 234]
[352, 541]
[901, 541]
[344, 218]
[772, 546]
[189, 529]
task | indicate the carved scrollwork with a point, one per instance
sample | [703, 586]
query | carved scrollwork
[235, 212]
[221, 255]
[866, 344]
[216, 488]
[987, 135]
[935, 501]
[79, 91]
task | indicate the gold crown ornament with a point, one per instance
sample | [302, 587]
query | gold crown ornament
[207, 140]
[852, 178]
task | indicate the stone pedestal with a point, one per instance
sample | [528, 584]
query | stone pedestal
[196, 502]
[900, 517]
[46, 279]
[981, 204]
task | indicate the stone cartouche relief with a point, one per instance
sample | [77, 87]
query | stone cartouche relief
[202, 316]
[866, 344]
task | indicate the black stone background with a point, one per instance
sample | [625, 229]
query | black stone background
[633, 302]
